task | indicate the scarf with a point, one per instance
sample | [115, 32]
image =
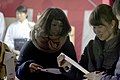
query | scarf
[48, 44]
[107, 53]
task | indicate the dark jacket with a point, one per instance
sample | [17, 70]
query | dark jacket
[30, 53]
[116, 75]
[100, 56]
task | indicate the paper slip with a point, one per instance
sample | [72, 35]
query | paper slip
[68, 59]
[51, 70]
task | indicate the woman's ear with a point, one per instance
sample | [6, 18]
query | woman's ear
[113, 23]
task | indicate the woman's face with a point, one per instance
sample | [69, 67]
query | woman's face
[103, 32]
[21, 16]
[56, 27]
[118, 17]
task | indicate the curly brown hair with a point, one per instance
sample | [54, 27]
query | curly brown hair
[44, 22]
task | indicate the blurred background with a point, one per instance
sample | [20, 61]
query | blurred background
[77, 12]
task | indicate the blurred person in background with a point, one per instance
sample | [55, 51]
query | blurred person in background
[18, 32]
[2, 25]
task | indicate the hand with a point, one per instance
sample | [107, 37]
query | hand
[17, 52]
[35, 67]
[63, 63]
[94, 75]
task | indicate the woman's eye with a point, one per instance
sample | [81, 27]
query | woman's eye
[53, 24]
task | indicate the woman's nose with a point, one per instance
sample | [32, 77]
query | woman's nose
[97, 31]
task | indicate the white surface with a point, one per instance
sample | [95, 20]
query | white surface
[88, 33]
[10, 65]
[68, 59]
[2, 25]
[51, 70]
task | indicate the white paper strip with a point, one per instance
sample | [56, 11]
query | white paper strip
[74, 63]
[51, 70]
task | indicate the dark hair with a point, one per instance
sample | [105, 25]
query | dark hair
[101, 13]
[116, 7]
[46, 18]
[22, 8]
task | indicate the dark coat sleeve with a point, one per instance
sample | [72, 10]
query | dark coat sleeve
[116, 75]
[69, 49]
[23, 62]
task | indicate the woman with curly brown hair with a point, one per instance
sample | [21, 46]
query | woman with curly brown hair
[48, 39]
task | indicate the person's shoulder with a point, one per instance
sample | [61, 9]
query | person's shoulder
[68, 42]
[1, 14]
[14, 24]
[31, 23]
[29, 45]
[29, 42]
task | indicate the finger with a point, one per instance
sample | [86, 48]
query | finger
[37, 65]
[32, 70]
[32, 66]
[102, 72]
[39, 68]
[62, 62]
[85, 76]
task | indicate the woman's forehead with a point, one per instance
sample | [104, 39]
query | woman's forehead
[118, 17]
[17, 12]
[57, 21]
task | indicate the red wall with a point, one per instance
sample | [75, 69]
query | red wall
[75, 10]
